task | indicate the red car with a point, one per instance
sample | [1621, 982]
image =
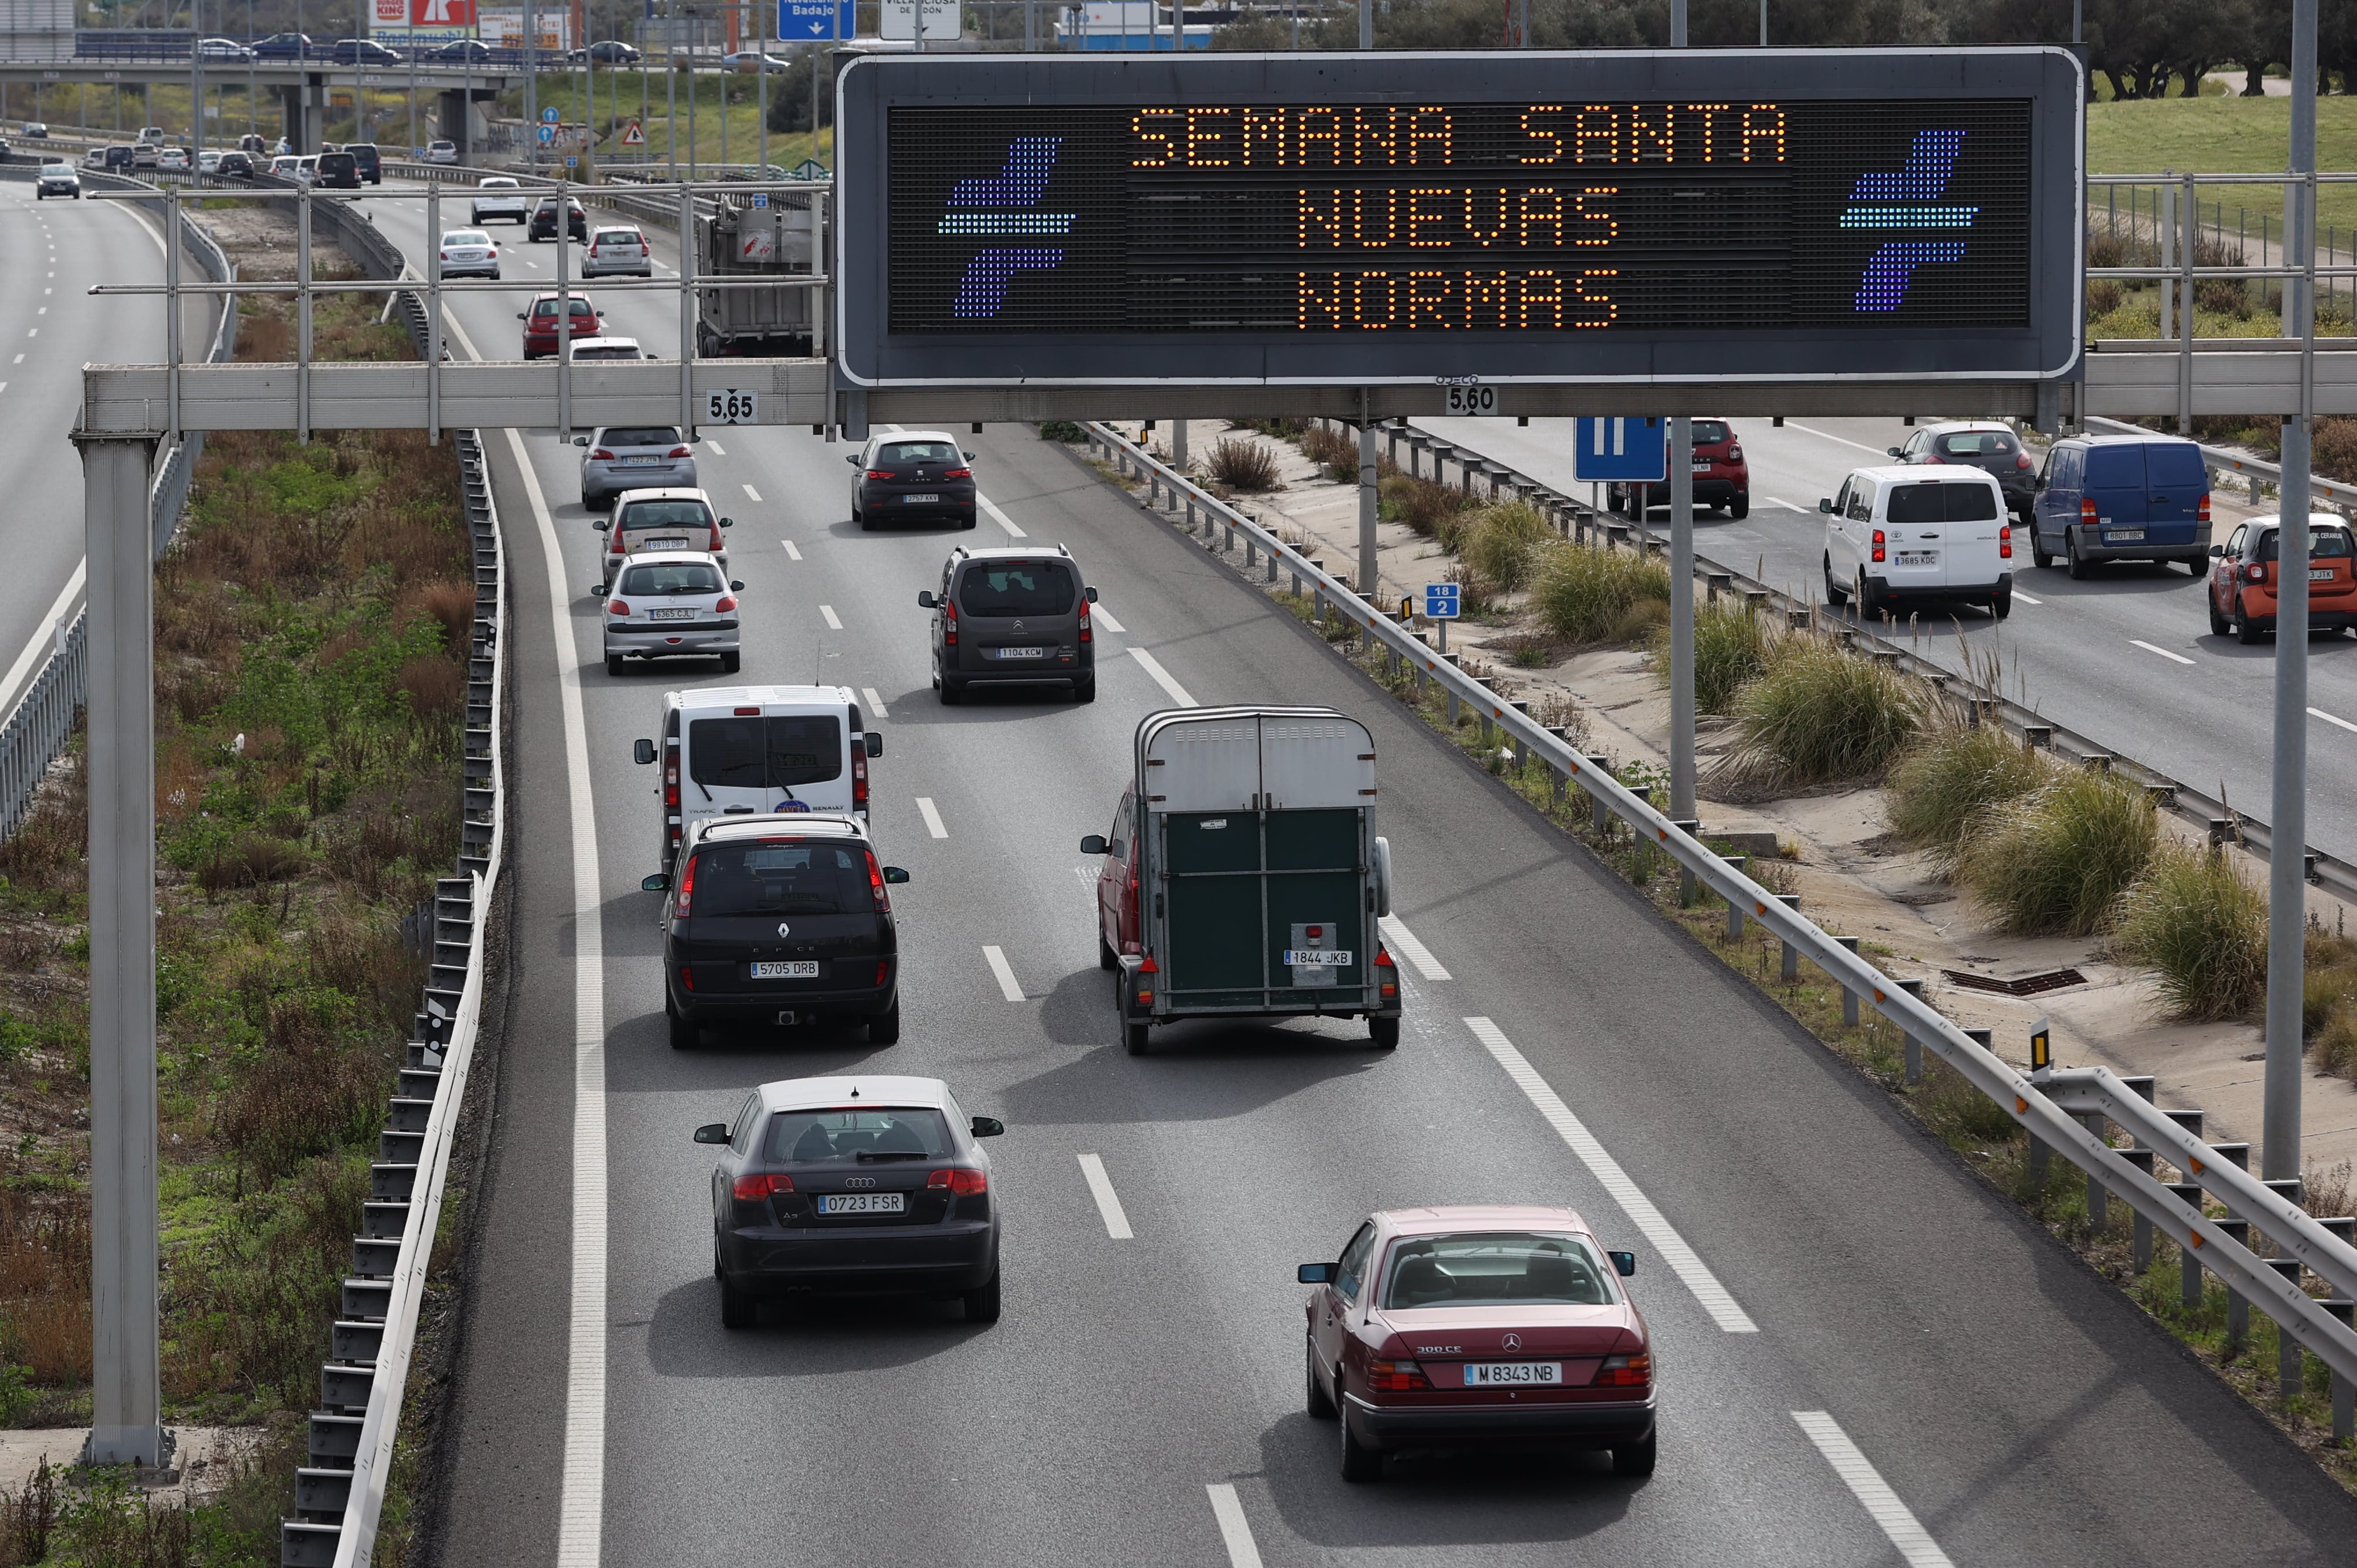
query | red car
[1117, 888]
[1479, 1324]
[2243, 578]
[1721, 476]
[539, 324]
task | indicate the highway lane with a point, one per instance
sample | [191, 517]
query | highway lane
[51, 251]
[1885, 1282]
[2100, 657]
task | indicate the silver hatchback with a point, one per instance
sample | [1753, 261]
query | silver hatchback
[617, 252]
[670, 604]
[633, 458]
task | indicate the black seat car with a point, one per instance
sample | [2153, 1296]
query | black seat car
[781, 919]
[1012, 618]
[543, 224]
[236, 165]
[915, 474]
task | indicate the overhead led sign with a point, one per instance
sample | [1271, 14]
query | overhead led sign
[1361, 220]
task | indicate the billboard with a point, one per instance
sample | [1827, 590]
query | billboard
[420, 24]
[1358, 220]
[504, 29]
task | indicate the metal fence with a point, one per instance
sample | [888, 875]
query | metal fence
[2078, 1126]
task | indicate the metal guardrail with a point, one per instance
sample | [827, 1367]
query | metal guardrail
[2311, 1322]
[39, 726]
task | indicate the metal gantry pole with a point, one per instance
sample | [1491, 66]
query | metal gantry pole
[1369, 570]
[303, 314]
[2287, 856]
[1366, 24]
[687, 275]
[531, 84]
[126, 1404]
[433, 313]
[1682, 614]
[563, 311]
[172, 312]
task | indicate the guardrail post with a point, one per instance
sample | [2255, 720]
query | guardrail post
[1914, 1049]
[1790, 972]
[2098, 1206]
[1849, 997]
[2190, 1194]
[2238, 1306]
[1687, 886]
[2344, 1393]
[2290, 1366]
[2140, 1242]
[1737, 863]
[1599, 814]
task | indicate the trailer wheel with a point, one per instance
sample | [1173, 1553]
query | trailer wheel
[1385, 1033]
[1134, 1037]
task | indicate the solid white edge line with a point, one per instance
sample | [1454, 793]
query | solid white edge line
[752, 494]
[1116, 1218]
[45, 634]
[1000, 518]
[581, 1507]
[875, 701]
[1098, 614]
[1866, 1483]
[792, 554]
[2024, 599]
[833, 624]
[933, 824]
[1682, 1260]
[1235, 1533]
[2317, 713]
[2165, 654]
[1400, 937]
[1162, 678]
[999, 967]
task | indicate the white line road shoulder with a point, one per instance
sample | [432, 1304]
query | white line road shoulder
[875, 701]
[2165, 654]
[998, 517]
[2318, 713]
[1714, 1296]
[1915, 1544]
[1400, 937]
[1007, 985]
[831, 623]
[1162, 678]
[1103, 617]
[1235, 1534]
[2021, 598]
[1116, 1218]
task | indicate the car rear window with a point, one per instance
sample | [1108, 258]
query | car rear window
[640, 436]
[2174, 462]
[895, 453]
[781, 879]
[820, 1137]
[1710, 432]
[2115, 467]
[1016, 589]
[618, 237]
[664, 514]
[1494, 1268]
[2323, 545]
[1937, 502]
[776, 752]
[1978, 443]
[610, 351]
[672, 577]
[548, 308]
[467, 237]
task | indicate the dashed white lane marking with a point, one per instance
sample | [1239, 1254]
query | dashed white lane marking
[932, 817]
[1162, 678]
[792, 554]
[999, 967]
[1116, 1220]
[998, 517]
[1234, 1533]
[1103, 617]
[2024, 598]
[1829, 435]
[18, 360]
[1866, 1483]
[752, 494]
[1417, 953]
[2165, 654]
[1648, 1220]
[2318, 713]
[718, 449]
[1780, 501]
[875, 701]
[33, 332]
[833, 624]
[42, 311]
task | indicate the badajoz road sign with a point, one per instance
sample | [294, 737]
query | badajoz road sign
[1365, 219]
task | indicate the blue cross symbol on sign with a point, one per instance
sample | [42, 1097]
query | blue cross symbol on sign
[1622, 450]
[1440, 601]
[548, 115]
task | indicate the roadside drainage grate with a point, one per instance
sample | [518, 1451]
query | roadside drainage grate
[2028, 985]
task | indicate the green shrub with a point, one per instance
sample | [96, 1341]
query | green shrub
[2059, 862]
[1582, 592]
[1063, 430]
[1431, 509]
[1732, 646]
[1336, 453]
[2329, 981]
[1243, 466]
[1955, 773]
[1817, 715]
[2195, 919]
[1502, 544]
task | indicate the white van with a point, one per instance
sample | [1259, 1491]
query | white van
[1917, 534]
[742, 751]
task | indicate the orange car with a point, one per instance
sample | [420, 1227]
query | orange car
[2243, 578]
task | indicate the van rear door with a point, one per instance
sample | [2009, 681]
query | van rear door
[2175, 482]
[2116, 484]
[1916, 543]
[759, 758]
[1974, 509]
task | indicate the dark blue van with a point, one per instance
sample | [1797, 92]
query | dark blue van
[2123, 498]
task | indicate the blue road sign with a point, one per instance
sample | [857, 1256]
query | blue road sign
[1623, 450]
[547, 133]
[571, 161]
[1440, 601]
[548, 115]
[760, 199]
[815, 19]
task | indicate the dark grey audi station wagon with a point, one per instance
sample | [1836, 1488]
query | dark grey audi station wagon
[852, 1185]
[779, 919]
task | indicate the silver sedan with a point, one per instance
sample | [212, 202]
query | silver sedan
[470, 253]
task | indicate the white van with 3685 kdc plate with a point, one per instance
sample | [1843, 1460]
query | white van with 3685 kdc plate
[742, 751]
[1917, 534]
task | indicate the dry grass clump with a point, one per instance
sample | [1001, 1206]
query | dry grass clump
[1958, 771]
[1733, 645]
[2330, 1005]
[1818, 715]
[1432, 509]
[1501, 545]
[1584, 593]
[2194, 919]
[1332, 451]
[1243, 466]
[2059, 863]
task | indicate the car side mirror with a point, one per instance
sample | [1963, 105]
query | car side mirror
[598, 590]
[581, 441]
[712, 1133]
[642, 752]
[1314, 1274]
[893, 877]
[602, 524]
[1623, 1263]
[1093, 844]
[727, 523]
[969, 456]
[986, 1127]
[1825, 505]
[1092, 596]
[658, 883]
[852, 459]
[1894, 451]
[2218, 551]
[519, 316]
[874, 744]
[925, 600]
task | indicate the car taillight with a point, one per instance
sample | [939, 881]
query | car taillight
[671, 780]
[880, 473]
[686, 977]
[1390, 986]
[601, 455]
[1625, 1372]
[1931, 457]
[754, 1188]
[446, 255]
[948, 624]
[724, 603]
[2257, 572]
[875, 886]
[1735, 453]
[686, 892]
[883, 970]
[959, 1182]
[2021, 460]
[1084, 623]
[2004, 542]
[2087, 510]
[1396, 1376]
[677, 452]
[616, 608]
[716, 539]
[957, 473]
[859, 785]
[1146, 992]
[2202, 508]
[1878, 545]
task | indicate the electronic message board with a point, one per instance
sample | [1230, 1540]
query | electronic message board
[1373, 219]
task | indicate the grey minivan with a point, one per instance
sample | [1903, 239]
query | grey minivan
[1012, 618]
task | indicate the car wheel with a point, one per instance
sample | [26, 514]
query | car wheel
[2040, 556]
[1634, 1458]
[1133, 1037]
[1385, 1033]
[2199, 566]
[951, 693]
[728, 662]
[613, 664]
[1868, 605]
[1360, 1463]
[884, 1029]
[737, 1308]
[2001, 604]
[2246, 630]
[2078, 568]
[1739, 507]
[1834, 593]
[2219, 625]
[687, 1034]
[1107, 960]
[1085, 691]
[981, 1304]
[1314, 1399]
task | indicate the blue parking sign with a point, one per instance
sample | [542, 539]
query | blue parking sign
[1440, 601]
[1626, 451]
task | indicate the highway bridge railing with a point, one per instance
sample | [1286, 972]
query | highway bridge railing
[2221, 1245]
